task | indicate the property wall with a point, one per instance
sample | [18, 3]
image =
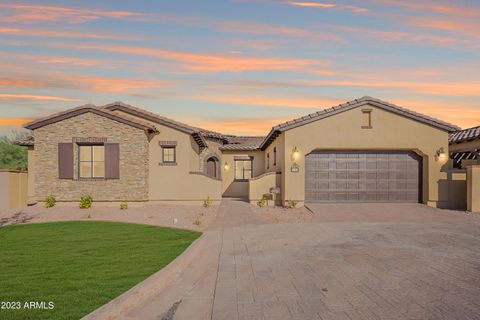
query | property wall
[457, 189]
[239, 189]
[259, 186]
[134, 159]
[13, 189]
[389, 131]
[473, 188]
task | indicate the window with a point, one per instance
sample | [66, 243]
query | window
[366, 118]
[275, 156]
[169, 154]
[268, 160]
[91, 162]
[243, 169]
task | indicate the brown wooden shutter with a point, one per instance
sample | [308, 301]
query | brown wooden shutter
[65, 160]
[112, 161]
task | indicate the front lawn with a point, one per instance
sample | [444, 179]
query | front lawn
[79, 266]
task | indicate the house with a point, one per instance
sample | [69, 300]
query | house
[365, 150]
[465, 147]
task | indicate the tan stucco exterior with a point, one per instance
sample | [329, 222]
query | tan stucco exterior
[389, 131]
[473, 188]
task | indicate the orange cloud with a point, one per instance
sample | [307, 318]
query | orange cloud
[61, 60]
[257, 127]
[83, 83]
[13, 121]
[34, 13]
[271, 101]
[8, 96]
[312, 4]
[435, 6]
[463, 27]
[198, 62]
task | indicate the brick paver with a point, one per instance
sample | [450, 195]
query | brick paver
[425, 266]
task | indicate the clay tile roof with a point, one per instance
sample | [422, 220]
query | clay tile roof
[26, 141]
[354, 104]
[245, 143]
[464, 135]
[59, 116]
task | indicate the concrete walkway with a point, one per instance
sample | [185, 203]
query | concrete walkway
[365, 262]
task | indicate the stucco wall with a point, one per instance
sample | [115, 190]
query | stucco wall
[390, 132]
[259, 186]
[134, 159]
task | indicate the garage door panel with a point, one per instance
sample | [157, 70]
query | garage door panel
[363, 176]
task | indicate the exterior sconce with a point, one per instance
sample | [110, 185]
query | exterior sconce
[226, 166]
[295, 154]
[441, 155]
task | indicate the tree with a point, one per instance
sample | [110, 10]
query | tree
[11, 155]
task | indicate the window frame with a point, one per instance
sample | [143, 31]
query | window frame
[91, 161]
[268, 160]
[274, 156]
[174, 161]
[243, 179]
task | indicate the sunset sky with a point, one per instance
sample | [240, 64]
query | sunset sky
[239, 66]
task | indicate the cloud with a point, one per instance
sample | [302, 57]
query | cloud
[58, 34]
[241, 126]
[39, 13]
[81, 82]
[320, 5]
[62, 60]
[31, 97]
[198, 62]
[461, 9]
[13, 121]
[270, 101]
[463, 27]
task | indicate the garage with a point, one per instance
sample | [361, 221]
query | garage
[363, 176]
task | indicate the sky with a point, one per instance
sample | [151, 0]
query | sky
[239, 66]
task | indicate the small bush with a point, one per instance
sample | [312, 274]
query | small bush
[207, 202]
[197, 222]
[292, 203]
[123, 206]
[85, 202]
[263, 202]
[49, 201]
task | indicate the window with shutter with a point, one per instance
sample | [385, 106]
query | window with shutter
[112, 161]
[65, 160]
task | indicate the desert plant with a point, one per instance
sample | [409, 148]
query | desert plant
[197, 222]
[85, 202]
[11, 155]
[207, 202]
[292, 203]
[263, 202]
[123, 205]
[49, 201]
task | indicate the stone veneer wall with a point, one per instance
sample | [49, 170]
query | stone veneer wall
[133, 182]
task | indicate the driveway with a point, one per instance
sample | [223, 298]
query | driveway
[361, 261]
[371, 261]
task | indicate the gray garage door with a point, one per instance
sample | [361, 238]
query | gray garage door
[363, 176]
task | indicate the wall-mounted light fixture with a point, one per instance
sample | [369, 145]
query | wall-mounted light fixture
[295, 154]
[441, 154]
[226, 166]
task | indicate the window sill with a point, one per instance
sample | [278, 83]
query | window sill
[367, 127]
[241, 180]
[91, 179]
[167, 164]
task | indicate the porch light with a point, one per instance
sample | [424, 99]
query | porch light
[295, 154]
[226, 166]
[441, 154]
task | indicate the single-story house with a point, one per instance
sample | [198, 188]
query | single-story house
[365, 150]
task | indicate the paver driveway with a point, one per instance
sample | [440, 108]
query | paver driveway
[372, 261]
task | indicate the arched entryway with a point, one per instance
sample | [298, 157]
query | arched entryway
[212, 167]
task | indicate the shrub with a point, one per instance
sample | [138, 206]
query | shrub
[11, 155]
[292, 203]
[86, 202]
[49, 201]
[207, 202]
[123, 205]
[263, 202]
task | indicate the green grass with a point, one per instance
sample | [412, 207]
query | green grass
[80, 265]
